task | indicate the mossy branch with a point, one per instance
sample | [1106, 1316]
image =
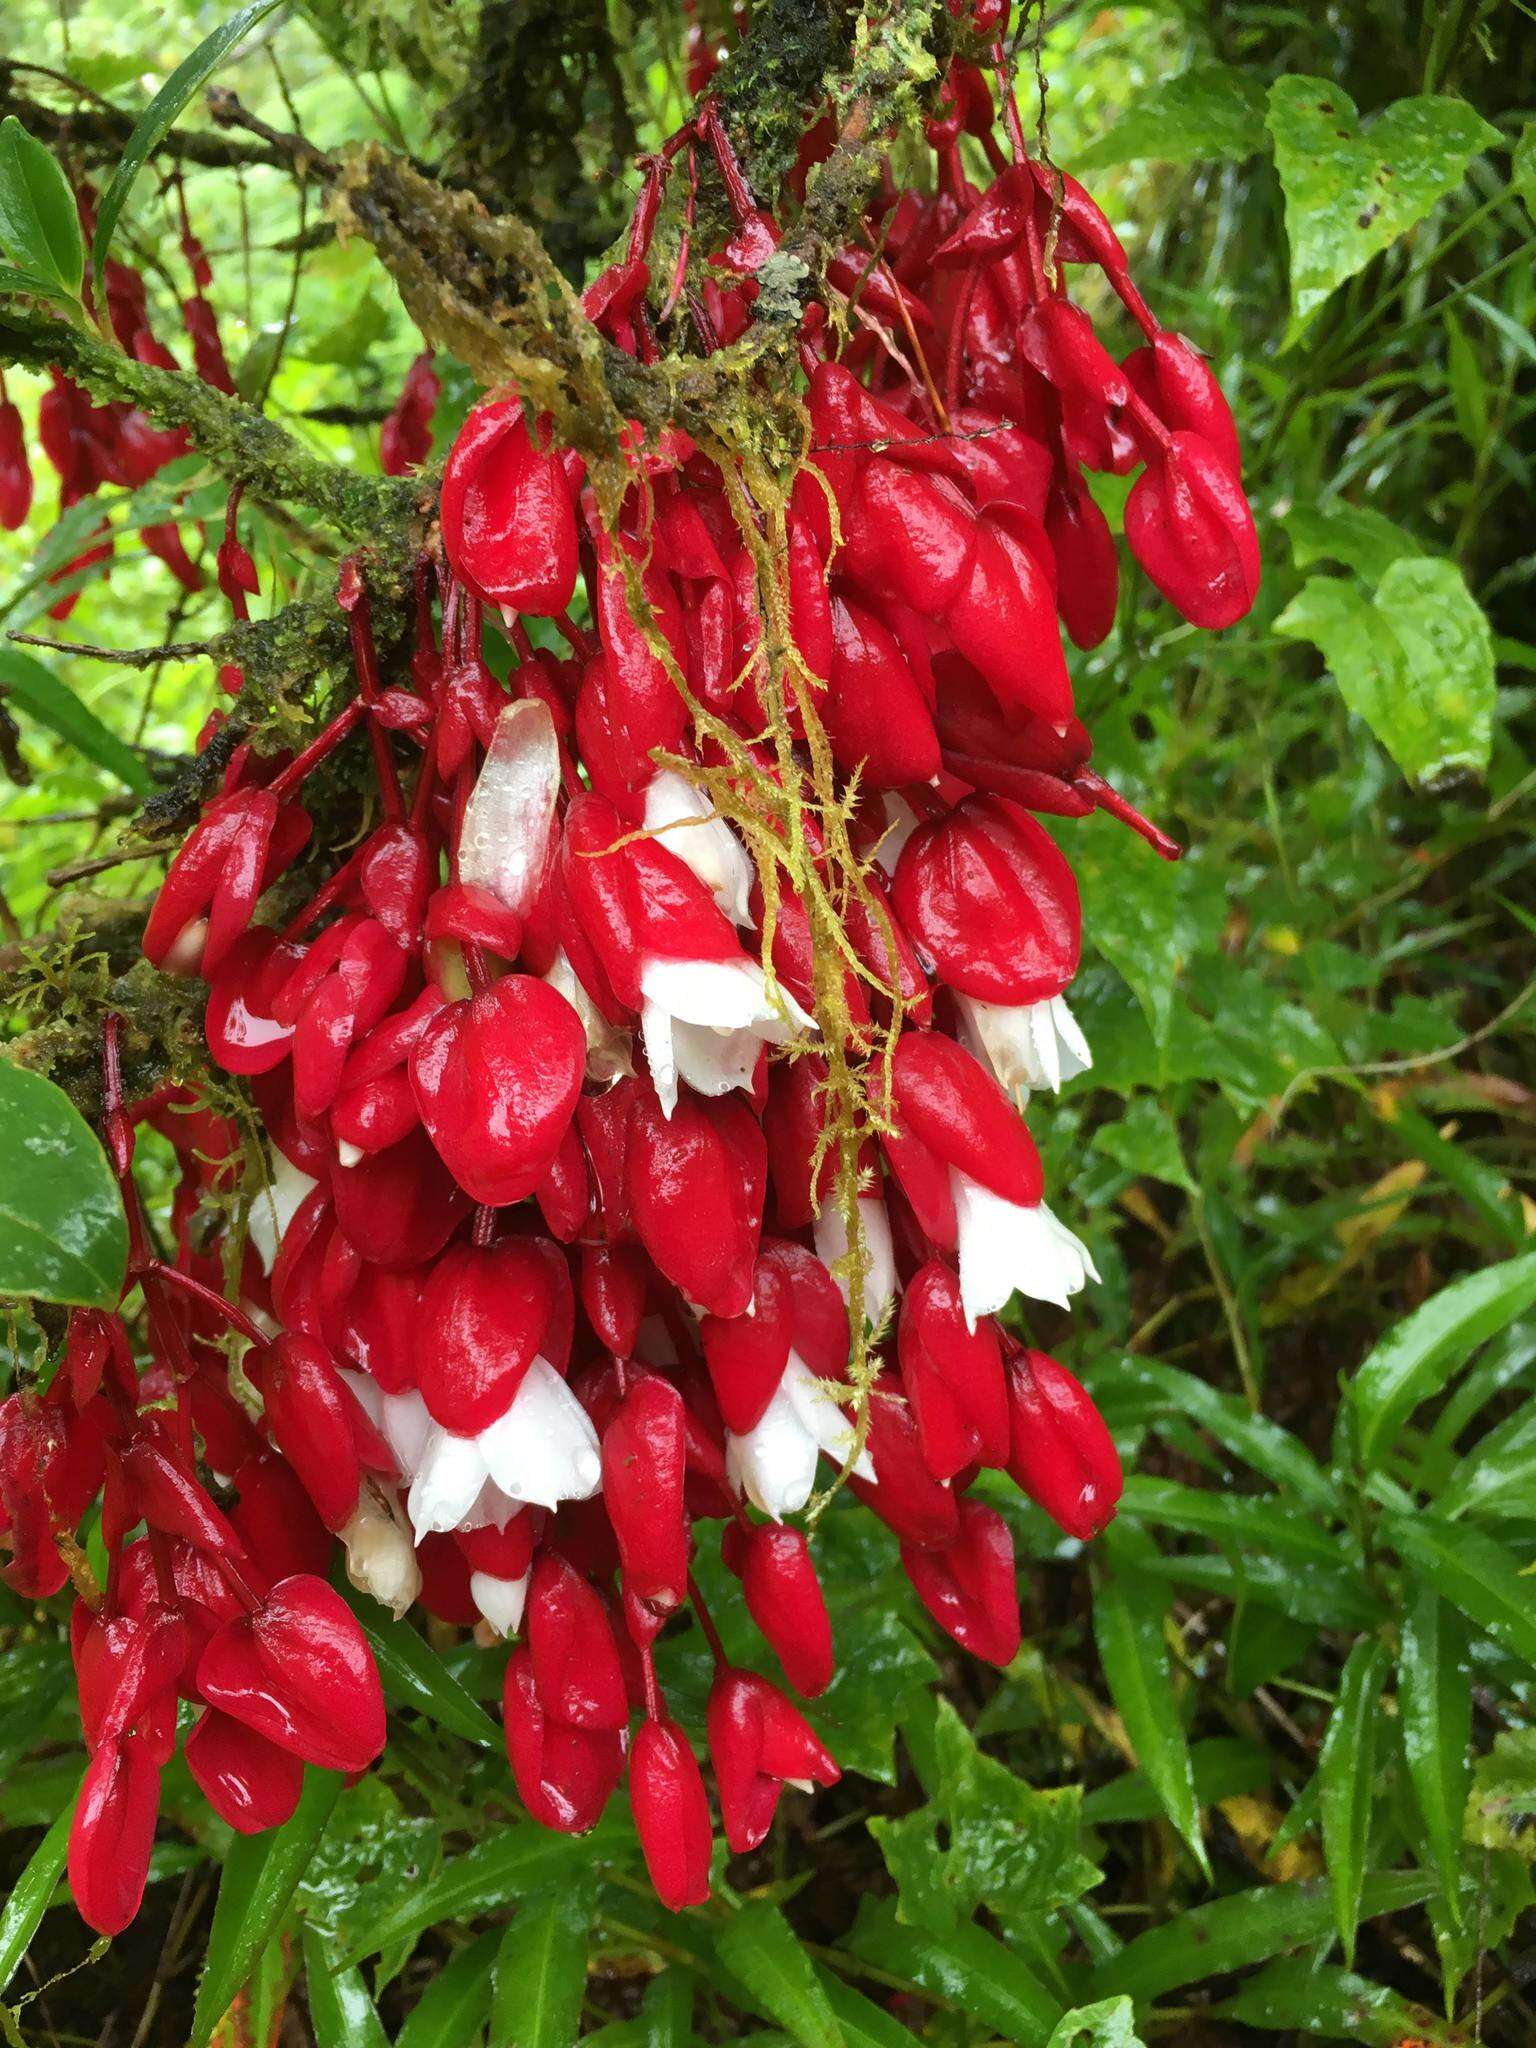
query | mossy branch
[248, 447]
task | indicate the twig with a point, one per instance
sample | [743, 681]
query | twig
[122, 657]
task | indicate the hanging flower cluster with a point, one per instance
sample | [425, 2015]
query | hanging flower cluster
[643, 1090]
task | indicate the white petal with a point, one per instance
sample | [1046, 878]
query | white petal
[609, 1053]
[724, 994]
[880, 1274]
[824, 1417]
[493, 1509]
[505, 838]
[774, 1462]
[1005, 1246]
[370, 1395]
[405, 1426]
[709, 848]
[347, 1153]
[660, 1053]
[544, 1449]
[501, 1601]
[1075, 1056]
[901, 823]
[715, 1062]
[275, 1206]
[447, 1481]
[381, 1559]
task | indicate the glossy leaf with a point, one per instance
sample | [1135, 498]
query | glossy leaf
[1129, 1611]
[160, 116]
[968, 1968]
[1142, 1388]
[1111, 2023]
[63, 1236]
[541, 1970]
[1298, 1995]
[261, 1873]
[760, 1947]
[864, 2024]
[1210, 113]
[1474, 1573]
[1415, 1360]
[1347, 1782]
[340, 2010]
[1350, 192]
[36, 690]
[1245, 1928]
[39, 223]
[1434, 1700]
[31, 1893]
[457, 2002]
[414, 1675]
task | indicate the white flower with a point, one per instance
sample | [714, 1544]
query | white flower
[504, 841]
[900, 823]
[274, 1207]
[609, 1055]
[707, 847]
[1005, 1246]
[774, 1462]
[705, 1021]
[1027, 1045]
[500, 1601]
[542, 1451]
[831, 1234]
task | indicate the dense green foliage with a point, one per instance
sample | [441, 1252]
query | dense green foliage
[1267, 1764]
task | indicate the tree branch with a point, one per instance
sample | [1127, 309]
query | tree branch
[244, 444]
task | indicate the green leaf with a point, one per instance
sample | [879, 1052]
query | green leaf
[30, 1894]
[1434, 1703]
[763, 1950]
[15, 279]
[413, 1675]
[1244, 1519]
[1128, 1615]
[1349, 193]
[519, 1859]
[1504, 1793]
[1415, 661]
[1414, 1360]
[1346, 1772]
[1145, 1141]
[63, 1236]
[1315, 1999]
[1144, 1389]
[1212, 112]
[39, 222]
[864, 2024]
[340, 2010]
[1111, 2023]
[457, 2002]
[1223, 1766]
[1474, 1573]
[1245, 1928]
[1360, 537]
[541, 1970]
[159, 117]
[666, 2010]
[1522, 167]
[260, 1875]
[967, 1967]
[38, 691]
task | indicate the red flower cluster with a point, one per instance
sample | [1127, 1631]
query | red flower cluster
[578, 1238]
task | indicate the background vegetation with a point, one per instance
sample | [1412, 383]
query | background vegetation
[1266, 1766]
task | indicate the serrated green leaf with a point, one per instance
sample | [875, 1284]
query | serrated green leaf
[1346, 1770]
[1146, 1141]
[1414, 1360]
[1212, 112]
[1312, 1998]
[1434, 1701]
[1245, 1928]
[1142, 1388]
[340, 2010]
[1414, 661]
[762, 1949]
[39, 221]
[36, 690]
[541, 1970]
[1350, 192]
[1111, 2023]
[457, 2002]
[23, 1910]
[261, 1873]
[1474, 1573]
[63, 1236]
[159, 117]
[967, 1967]
[1128, 1616]
[1358, 536]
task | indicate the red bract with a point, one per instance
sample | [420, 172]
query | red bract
[297, 1670]
[671, 1808]
[508, 521]
[758, 1742]
[112, 1833]
[1060, 1453]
